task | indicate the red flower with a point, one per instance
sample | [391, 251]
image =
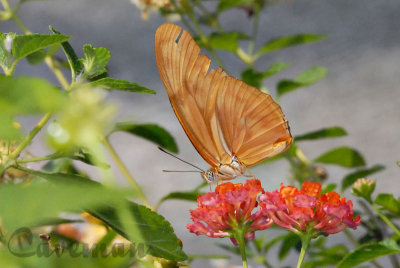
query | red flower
[229, 209]
[300, 210]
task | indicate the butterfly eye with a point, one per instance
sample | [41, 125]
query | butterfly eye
[209, 176]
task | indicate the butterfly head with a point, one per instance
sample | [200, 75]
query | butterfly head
[224, 171]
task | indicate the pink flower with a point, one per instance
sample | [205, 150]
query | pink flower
[300, 210]
[229, 209]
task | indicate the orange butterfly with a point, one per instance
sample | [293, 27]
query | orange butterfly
[231, 124]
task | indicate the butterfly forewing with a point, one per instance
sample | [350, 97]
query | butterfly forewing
[190, 89]
[222, 116]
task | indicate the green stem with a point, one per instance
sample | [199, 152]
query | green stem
[40, 158]
[125, 172]
[254, 34]
[25, 142]
[239, 236]
[386, 220]
[305, 241]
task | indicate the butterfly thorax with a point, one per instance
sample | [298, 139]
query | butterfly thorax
[224, 171]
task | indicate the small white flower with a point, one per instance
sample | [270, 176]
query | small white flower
[8, 42]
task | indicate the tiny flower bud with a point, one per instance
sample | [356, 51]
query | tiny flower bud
[363, 187]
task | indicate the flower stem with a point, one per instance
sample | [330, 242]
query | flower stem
[239, 236]
[305, 240]
[125, 172]
[386, 220]
[25, 142]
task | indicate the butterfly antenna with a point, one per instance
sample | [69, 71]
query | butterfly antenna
[180, 171]
[162, 150]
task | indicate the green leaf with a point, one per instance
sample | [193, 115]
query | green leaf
[40, 201]
[62, 178]
[275, 68]
[328, 188]
[29, 95]
[151, 132]
[88, 158]
[289, 242]
[156, 232]
[368, 252]
[8, 131]
[23, 45]
[388, 202]
[3, 51]
[111, 83]
[69, 52]
[352, 177]
[36, 57]
[342, 156]
[308, 77]
[226, 41]
[287, 41]
[95, 61]
[330, 132]
[254, 78]
[187, 196]
[227, 4]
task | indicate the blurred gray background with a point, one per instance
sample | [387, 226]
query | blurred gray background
[361, 92]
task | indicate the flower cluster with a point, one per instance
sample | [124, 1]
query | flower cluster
[229, 209]
[308, 210]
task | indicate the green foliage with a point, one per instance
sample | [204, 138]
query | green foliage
[111, 83]
[389, 203]
[369, 252]
[151, 132]
[342, 156]
[226, 41]
[287, 41]
[361, 173]
[228, 4]
[330, 132]
[24, 45]
[254, 78]
[29, 95]
[95, 61]
[306, 78]
[69, 52]
[154, 230]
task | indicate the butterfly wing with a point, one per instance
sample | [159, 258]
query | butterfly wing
[192, 89]
[252, 123]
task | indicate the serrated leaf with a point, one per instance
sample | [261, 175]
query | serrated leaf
[151, 132]
[330, 132]
[289, 242]
[23, 45]
[342, 156]
[369, 252]
[156, 232]
[388, 202]
[306, 78]
[72, 58]
[352, 177]
[95, 61]
[111, 83]
[287, 41]
[29, 95]
[227, 4]
[226, 41]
